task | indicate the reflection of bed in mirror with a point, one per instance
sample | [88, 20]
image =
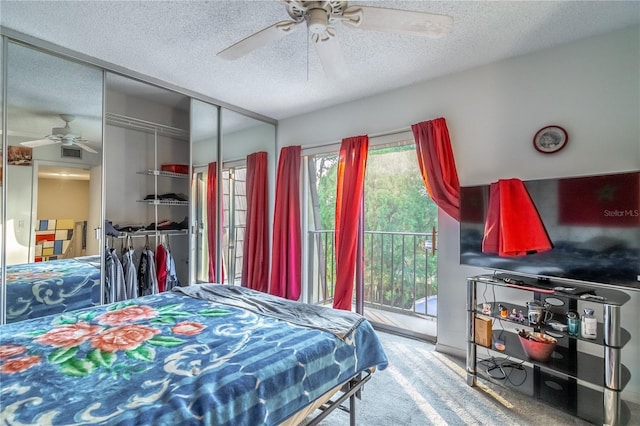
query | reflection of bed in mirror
[43, 288]
[204, 354]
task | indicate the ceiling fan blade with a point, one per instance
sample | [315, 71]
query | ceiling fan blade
[39, 142]
[259, 39]
[85, 147]
[331, 57]
[398, 21]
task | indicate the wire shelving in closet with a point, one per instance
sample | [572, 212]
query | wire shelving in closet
[157, 130]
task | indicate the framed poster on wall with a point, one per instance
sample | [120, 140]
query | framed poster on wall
[19, 155]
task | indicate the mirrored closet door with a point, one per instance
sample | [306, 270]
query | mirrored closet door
[222, 251]
[52, 181]
[206, 193]
[248, 179]
[96, 164]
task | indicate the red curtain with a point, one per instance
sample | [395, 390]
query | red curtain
[212, 220]
[351, 171]
[255, 252]
[437, 165]
[286, 275]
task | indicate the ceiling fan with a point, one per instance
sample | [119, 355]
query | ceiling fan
[64, 135]
[321, 17]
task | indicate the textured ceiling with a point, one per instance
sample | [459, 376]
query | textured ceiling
[177, 42]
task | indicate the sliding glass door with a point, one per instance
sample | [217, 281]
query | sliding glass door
[399, 267]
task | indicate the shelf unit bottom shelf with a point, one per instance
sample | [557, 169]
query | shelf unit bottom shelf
[562, 393]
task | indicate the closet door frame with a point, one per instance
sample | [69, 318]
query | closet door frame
[201, 133]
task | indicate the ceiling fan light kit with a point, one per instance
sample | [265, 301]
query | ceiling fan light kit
[321, 17]
[317, 21]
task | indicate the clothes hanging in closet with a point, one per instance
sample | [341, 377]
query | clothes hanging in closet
[115, 288]
[172, 277]
[165, 269]
[161, 266]
[130, 273]
[109, 275]
[147, 279]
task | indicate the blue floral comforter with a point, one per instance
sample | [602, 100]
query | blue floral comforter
[172, 359]
[45, 288]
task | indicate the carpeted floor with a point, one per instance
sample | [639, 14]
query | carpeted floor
[424, 387]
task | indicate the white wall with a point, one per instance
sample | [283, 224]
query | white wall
[590, 87]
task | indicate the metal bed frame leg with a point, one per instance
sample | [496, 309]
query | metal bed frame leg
[352, 410]
[351, 390]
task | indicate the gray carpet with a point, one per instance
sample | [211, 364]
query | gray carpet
[424, 387]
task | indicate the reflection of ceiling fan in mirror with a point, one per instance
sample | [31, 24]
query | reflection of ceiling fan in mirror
[64, 135]
[321, 16]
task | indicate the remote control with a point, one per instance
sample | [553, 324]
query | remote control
[591, 296]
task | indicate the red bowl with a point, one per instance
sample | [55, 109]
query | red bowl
[538, 351]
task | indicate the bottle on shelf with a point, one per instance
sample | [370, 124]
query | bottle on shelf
[573, 324]
[589, 324]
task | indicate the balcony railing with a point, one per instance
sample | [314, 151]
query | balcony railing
[399, 271]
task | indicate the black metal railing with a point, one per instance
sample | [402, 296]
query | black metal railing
[399, 270]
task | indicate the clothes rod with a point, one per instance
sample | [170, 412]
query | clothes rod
[140, 234]
[145, 126]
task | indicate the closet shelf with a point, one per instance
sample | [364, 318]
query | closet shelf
[145, 126]
[151, 172]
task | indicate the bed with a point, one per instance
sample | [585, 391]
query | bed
[56, 286]
[202, 354]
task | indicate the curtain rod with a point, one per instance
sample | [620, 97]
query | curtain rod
[373, 136]
[234, 162]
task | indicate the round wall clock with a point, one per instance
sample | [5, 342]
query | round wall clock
[550, 139]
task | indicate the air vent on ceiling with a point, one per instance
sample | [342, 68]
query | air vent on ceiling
[68, 152]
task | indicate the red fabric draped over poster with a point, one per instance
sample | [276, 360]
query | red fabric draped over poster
[286, 264]
[212, 220]
[255, 252]
[437, 165]
[351, 172]
[513, 226]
